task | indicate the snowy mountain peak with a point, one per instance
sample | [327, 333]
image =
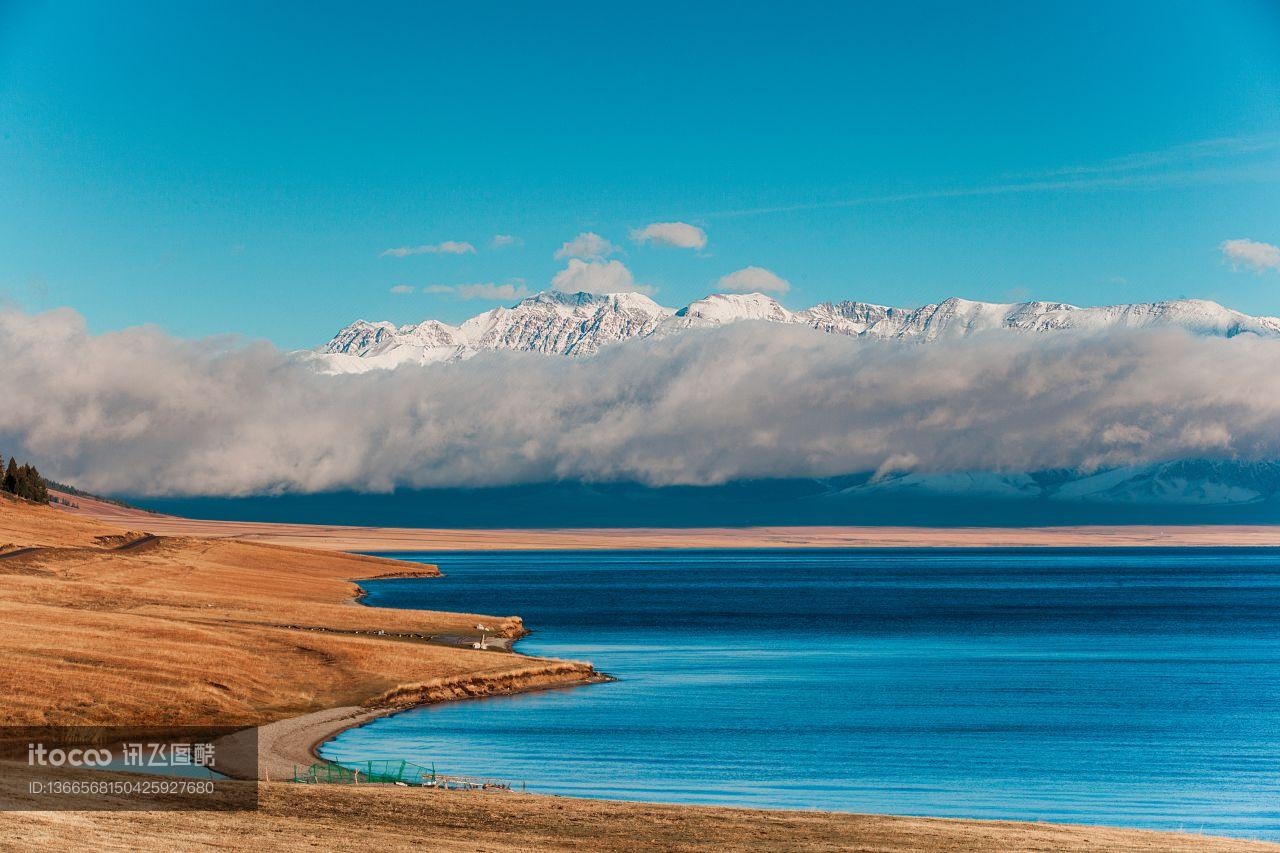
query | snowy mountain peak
[361, 337]
[732, 307]
[557, 323]
[583, 300]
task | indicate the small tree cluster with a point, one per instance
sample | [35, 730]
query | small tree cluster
[24, 481]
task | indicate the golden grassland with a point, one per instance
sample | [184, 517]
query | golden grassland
[104, 624]
[100, 625]
[298, 817]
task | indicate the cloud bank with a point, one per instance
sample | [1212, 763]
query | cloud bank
[140, 412]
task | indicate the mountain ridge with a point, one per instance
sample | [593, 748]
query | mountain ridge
[580, 324]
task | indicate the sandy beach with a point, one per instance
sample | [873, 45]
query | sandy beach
[134, 623]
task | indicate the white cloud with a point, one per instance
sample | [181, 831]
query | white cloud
[492, 292]
[502, 241]
[898, 463]
[597, 277]
[682, 235]
[688, 409]
[402, 288]
[482, 291]
[588, 246]
[1258, 257]
[753, 280]
[448, 247]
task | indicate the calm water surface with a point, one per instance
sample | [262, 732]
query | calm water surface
[1137, 687]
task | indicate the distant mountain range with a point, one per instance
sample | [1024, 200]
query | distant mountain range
[1182, 492]
[580, 324]
[1189, 482]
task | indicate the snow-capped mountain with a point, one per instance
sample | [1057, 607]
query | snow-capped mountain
[719, 308]
[549, 323]
[961, 317]
[577, 324]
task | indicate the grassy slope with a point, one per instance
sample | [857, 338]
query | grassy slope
[100, 625]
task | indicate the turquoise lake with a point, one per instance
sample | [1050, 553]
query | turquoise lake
[1129, 687]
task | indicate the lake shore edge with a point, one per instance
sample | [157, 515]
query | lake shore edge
[390, 540]
[293, 744]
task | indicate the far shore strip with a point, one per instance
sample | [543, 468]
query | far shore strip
[390, 539]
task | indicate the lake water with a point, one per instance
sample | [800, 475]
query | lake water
[1135, 687]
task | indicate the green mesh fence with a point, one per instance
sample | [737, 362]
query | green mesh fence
[384, 772]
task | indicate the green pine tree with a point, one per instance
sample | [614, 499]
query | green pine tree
[26, 482]
[39, 491]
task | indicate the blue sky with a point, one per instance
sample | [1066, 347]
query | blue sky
[223, 167]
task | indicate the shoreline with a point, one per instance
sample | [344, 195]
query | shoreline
[326, 725]
[320, 727]
[390, 540]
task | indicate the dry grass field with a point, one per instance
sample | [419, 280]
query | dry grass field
[100, 625]
[105, 624]
[296, 817]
